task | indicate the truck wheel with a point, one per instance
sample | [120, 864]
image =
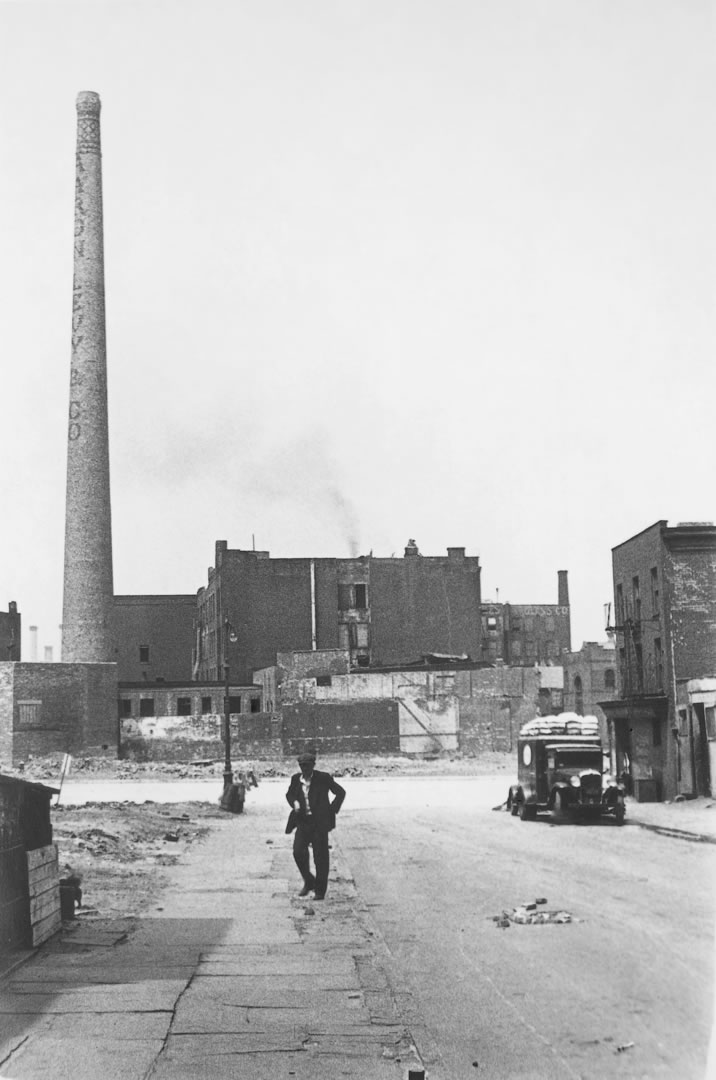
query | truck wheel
[526, 812]
[559, 809]
[514, 808]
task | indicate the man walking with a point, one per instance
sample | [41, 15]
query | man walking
[308, 795]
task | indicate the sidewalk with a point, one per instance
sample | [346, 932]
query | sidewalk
[232, 975]
[692, 819]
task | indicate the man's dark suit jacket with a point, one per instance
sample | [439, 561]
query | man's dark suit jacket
[322, 808]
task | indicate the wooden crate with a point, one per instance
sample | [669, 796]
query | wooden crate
[44, 888]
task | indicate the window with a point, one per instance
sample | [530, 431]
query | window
[143, 654]
[710, 718]
[323, 680]
[352, 596]
[658, 663]
[610, 681]
[183, 706]
[362, 661]
[125, 707]
[639, 665]
[492, 623]
[578, 695]
[255, 704]
[146, 706]
[362, 635]
[619, 614]
[636, 596]
[656, 732]
[234, 704]
[205, 705]
[654, 591]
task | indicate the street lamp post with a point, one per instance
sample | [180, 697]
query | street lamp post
[229, 635]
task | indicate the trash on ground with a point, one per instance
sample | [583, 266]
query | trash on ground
[527, 915]
[624, 1046]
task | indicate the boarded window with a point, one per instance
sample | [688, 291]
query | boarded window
[125, 707]
[206, 705]
[146, 706]
[29, 713]
[361, 596]
[183, 706]
[323, 680]
[609, 679]
[345, 597]
[234, 704]
[143, 654]
[362, 635]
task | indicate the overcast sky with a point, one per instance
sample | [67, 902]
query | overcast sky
[375, 271]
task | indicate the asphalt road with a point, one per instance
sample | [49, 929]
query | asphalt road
[434, 863]
[634, 969]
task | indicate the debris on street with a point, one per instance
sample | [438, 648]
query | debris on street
[527, 915]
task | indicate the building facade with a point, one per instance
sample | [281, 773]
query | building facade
[382, 611]
[153, 637]
[522, 635]
[665, 630]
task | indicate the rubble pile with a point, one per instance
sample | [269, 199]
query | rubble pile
[531, 914]
[117, 849]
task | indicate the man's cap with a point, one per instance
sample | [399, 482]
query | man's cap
[306, 756]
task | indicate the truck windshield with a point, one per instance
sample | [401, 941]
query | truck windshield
[578, 759]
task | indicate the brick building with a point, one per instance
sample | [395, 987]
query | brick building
[383, 611]
[56, 709]
[10, 633]
[665, 627]
[590, 678]
[153, 637]
[522, 635]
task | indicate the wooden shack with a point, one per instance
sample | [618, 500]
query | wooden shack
[29, 873]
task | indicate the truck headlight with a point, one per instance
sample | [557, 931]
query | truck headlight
[575, 781]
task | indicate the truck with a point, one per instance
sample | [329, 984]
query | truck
[561, 770]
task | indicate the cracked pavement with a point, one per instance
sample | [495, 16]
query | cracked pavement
[231, 975]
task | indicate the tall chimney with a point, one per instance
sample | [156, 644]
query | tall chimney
[87, 600]
[33, 643]
[562, 589]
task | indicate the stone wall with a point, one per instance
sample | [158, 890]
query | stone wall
[197, 738]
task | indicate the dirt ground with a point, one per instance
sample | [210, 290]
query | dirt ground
[48, 770]
[119, 850]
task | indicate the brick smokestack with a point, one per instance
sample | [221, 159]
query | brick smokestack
[88, 589]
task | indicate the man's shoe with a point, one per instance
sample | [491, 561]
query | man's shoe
[307, 888]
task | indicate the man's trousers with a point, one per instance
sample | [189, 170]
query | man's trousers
[309, 835]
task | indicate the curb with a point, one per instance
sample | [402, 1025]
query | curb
[675, 834]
